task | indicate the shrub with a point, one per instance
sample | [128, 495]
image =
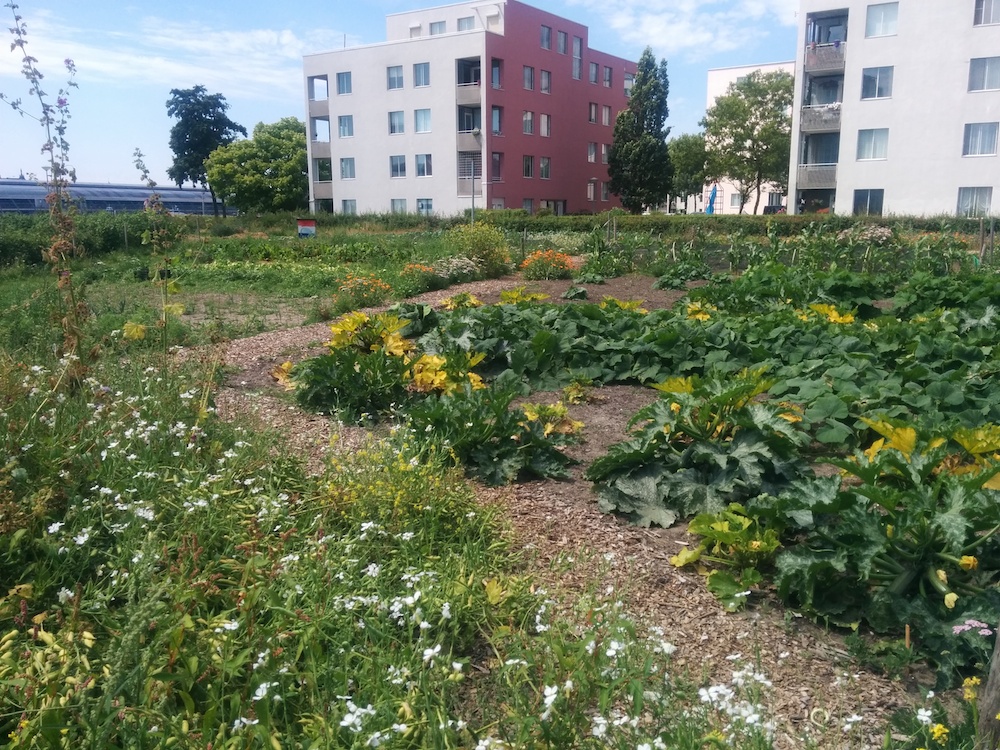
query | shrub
[456, 269]
[361, 291]
[547, 264]
[484, 244]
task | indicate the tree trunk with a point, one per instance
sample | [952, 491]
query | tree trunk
[989, 705]
[215, 202]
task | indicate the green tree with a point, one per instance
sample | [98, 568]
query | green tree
[639, 162]
[202, 126]
[748, 133]
[687, 157]
[266, 172]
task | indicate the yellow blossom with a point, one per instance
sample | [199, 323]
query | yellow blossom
[941, 576]
[969, 692]
[939, 732]
[968, 562]
[950, 599]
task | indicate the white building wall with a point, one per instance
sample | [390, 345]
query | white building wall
[417, 23]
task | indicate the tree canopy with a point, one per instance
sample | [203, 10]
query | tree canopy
[748, 133]
[202, 126]
[639, 162]
[265, 173]
[687, 157]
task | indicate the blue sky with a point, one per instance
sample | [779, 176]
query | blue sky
[129, 56]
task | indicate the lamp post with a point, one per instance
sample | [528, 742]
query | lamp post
[477, 134]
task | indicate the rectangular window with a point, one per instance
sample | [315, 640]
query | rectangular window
[425, 206]
[545, 84]
[319, 88]
[876, 83]
[528, 205]
[629, 83]
[605, 191]
[607, 77]
[544, 166]
[881, 20]
[496, 167]
[349, 207]
[868, 202]
[529, 77]
[467, 24]
[396, 123]
[577, 57]
[422, 74]
[987, 11]
[528, 123]
[323, 170]
[984, 74]
[735, 200]
[604, 153]
[544, 125]
[424, 165]
[561, 42]
[343, 83]
[394, 77]
[496, 68]
[347, 168]
[980, 139]
[397, 166]
[528, 167]
[592, 112]
[974, 201]
[438, 27]
[345, 126]
[324, 205]
[496, 120]
[590, 191]
[873, 144]
[592, 152]
[397, 205]
[594, 71]
[422, 120]
[320, 129]
[470, 165]
[546, 37]
[605, 115]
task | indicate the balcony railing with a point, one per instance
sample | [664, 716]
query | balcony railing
[468, 93]
[825, 58]
[813, 176]
[819, 117]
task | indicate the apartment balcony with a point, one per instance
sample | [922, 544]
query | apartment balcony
[468, 94]
[816, 176]
[319, 107]
[322, 190]
[470, 140]
[321, 149]
[465, 186]
[819, 117]
[825, 58]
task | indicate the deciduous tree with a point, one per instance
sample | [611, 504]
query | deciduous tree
[202, 126]
[687, 157]
[748, 133]
[266, 172]
[639, 162]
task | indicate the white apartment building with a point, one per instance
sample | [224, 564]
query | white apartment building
[897, 106]
[471, 105]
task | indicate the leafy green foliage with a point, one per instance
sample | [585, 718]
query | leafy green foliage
[688, 158]
[484, 244]
[353, 384]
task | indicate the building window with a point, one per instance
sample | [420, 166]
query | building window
[592, 152]
[735, 200]
[343, 83]
[469, 118]
[349, 207]
[397, 205]
[422, 74]
[544, 165]
[629, 84]
[604, 153]
[425, 206]
[980, 139]
[984, 74]
[528, 123]
[496, 166]
[868, 202]
[605, 191]
[529, 77]
[323, 169]
[987, 11]
[605, 115]
[320, 129]
[881, 20]
[496, 67]
[394, 77]
[974, 201]
[347, 168]
[422, 120]
[470, 165]
[594, 71]
[437, 27]
[324, 205]
[876, 83]
[546, 37]
[590, 191]
[396, 123]
[873, 144]
[577, 57]
[545, 84]
[496, 120]
[607, 77]
[592, 112]
[528, 167]
[561, 42]
[319, 88]
[820, 148]
[424, 166]
[345, 126]
[467, 24]
[544, 125]
[397, 166]
[528, 205]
